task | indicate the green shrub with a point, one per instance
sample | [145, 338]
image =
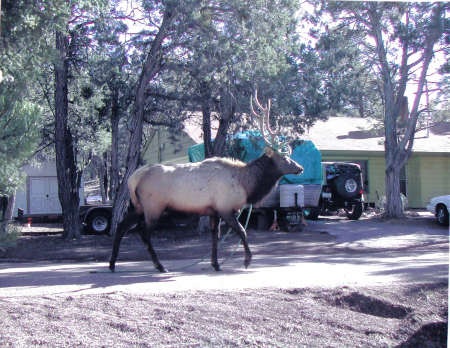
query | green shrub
[9, 234]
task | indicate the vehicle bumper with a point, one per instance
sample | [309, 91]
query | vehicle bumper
[431, 208]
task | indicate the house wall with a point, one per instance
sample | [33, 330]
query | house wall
[162, 150]
[426, 176]
[413, 170]
[377, 183]
[430, 177]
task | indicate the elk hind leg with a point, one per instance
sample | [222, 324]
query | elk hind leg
[146, 236]
[215, 232]
[232, 220]
[130, 222]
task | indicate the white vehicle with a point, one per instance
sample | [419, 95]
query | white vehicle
[440, 207]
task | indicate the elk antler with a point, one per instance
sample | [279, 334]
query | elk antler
[272, 139]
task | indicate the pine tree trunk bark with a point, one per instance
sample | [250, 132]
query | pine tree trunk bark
[150, 69]
[206, 122]
[68, 177]
[203, 223]
[216, 149]
[393, 163]
[203, 227]
[114, 170]
[393, 193]
[226, 116]
[10, 207]
[103, 177]
[390, 123]
[398, 150]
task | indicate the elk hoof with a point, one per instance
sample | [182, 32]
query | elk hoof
[112, 267]
[217, 267]
[247, 261]
[161, 269]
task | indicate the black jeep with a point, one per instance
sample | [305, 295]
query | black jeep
[342, 188]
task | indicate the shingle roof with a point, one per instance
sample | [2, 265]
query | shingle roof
[346, 133]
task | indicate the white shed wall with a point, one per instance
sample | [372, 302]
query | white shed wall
[42, 170]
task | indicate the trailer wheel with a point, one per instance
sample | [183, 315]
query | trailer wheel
[99, 222]
[311, 213]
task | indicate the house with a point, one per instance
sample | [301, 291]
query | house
[162, 148]
[425, 175]
[39, 196]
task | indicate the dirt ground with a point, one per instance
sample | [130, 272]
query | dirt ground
[392, 315]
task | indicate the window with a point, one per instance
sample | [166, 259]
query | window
[403, 181]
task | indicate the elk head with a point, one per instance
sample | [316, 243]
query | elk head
[270, 139]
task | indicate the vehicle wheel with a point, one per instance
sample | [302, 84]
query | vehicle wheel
[311, 213]
[348, 185]
[442, 215]
[99, 222]
[356, 212]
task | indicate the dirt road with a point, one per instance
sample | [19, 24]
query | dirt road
[329, 252]
[339, 283]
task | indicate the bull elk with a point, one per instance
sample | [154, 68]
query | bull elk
[216, 187]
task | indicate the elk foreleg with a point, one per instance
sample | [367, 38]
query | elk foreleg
[130, 222]
[232, 220]
[146, 235]
[215, 233]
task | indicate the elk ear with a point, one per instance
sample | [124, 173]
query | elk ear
[269, 151]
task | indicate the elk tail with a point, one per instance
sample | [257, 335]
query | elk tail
[135, 201]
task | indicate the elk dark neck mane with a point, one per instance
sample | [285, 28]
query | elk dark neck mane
[262, 176]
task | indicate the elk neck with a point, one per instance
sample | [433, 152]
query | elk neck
[261, 176]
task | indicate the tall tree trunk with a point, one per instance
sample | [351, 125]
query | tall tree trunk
[390, 121]
[103, 177]
[68, 178]
[360, 105]
[393, 198]
[397, 151]
[218, 148]
[226, 116]
[205, 94]
[395, 208]
[10, 207]
[150, 69]
[114, 170]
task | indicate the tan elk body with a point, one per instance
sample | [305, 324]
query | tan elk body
[216, 187]
[216, 184]
[189, 188]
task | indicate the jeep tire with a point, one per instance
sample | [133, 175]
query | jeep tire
[356, 211]
[348, 185]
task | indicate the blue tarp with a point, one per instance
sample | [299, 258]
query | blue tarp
[248, 145]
